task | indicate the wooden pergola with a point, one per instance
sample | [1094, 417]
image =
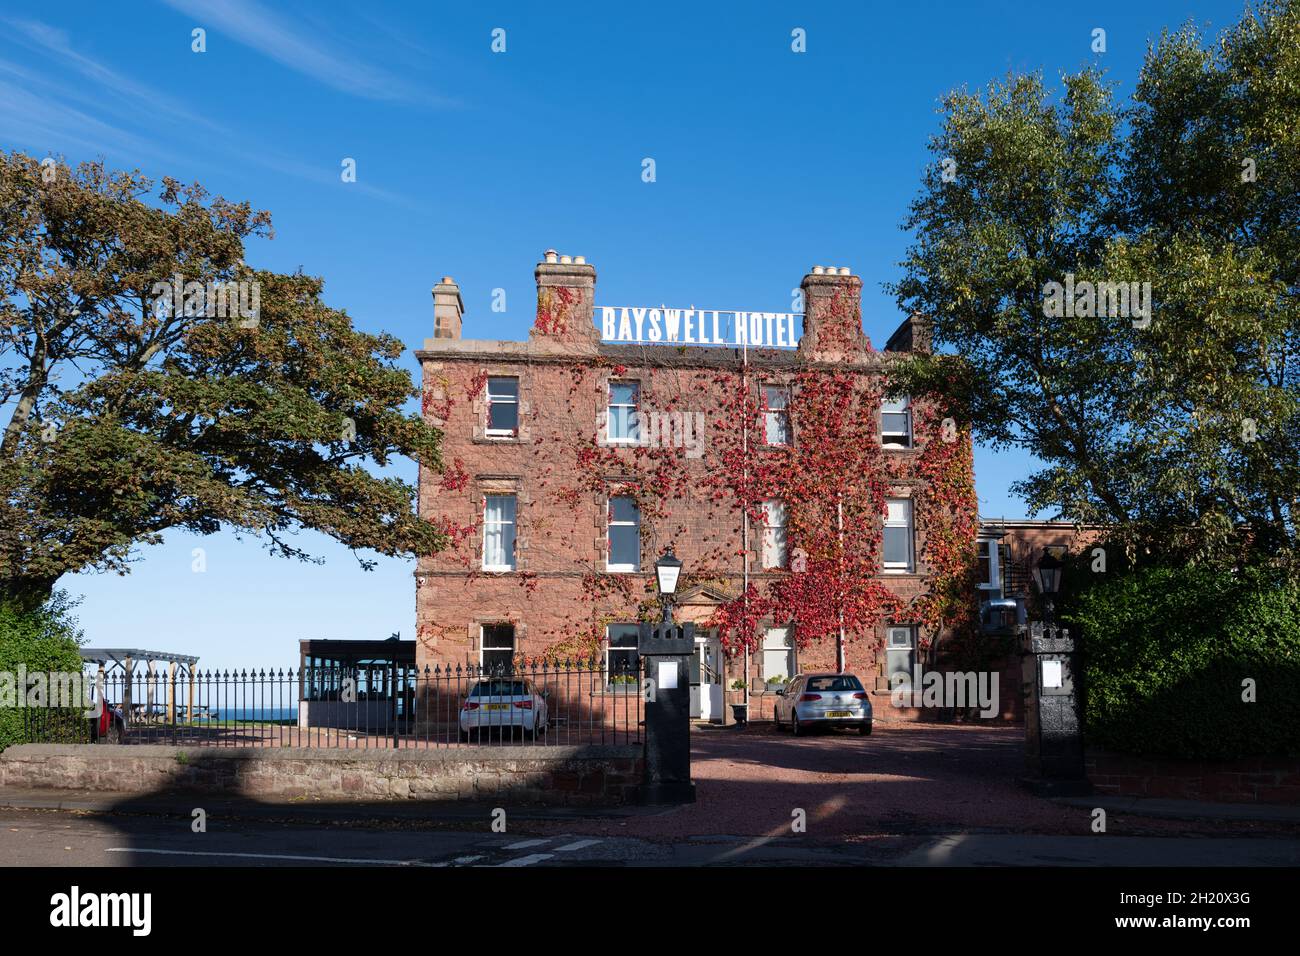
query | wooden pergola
[110, 660]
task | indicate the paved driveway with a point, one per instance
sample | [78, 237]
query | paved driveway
[905, 780]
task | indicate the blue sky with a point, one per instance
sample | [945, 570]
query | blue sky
[470, 163]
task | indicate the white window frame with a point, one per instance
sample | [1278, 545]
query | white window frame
[908, 631]
[993, 583]
[488, 430]
[610, 405]
[775, 555]
[788, 668]
[906, 411]
[482, 641]
[896, 567]
[610, 524]
[610, 649]
[776, 416]
[513, 550]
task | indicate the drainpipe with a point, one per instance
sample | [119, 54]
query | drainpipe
[744, 512]
[839, 526]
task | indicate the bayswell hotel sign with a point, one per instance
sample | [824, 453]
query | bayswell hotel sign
[664, 326]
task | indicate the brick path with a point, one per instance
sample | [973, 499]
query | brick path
[908, 779]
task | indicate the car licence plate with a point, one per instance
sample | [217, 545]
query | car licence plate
[839, 713]
[497, 706]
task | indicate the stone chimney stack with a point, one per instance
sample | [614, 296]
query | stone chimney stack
[832, 322]
[566, 288]
[914, 335]
[447, 309]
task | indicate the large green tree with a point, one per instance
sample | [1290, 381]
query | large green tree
[1182, 431]
[128, 412]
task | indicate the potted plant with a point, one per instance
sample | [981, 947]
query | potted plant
[622, 682]
[740, 711]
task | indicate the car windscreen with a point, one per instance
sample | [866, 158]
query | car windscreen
[500, 688]
[833, 683]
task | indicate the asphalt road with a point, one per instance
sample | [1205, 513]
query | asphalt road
[62, 838]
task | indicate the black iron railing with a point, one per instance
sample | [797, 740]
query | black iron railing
[377, 705]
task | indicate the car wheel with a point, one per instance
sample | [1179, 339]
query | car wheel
[865, 729]
[794, 723]
[114, 733]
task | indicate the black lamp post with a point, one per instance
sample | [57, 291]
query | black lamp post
[666, 650]
[1053, 717]
[667, 570]
[1047, 575]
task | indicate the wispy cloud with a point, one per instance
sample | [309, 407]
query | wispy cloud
[304, 50]
[46, 111]
[126, 96]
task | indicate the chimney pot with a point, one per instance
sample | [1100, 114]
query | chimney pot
[550, 255]
[579, 260]
[566, 260]
[818, 270]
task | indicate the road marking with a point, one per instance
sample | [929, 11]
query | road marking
[459, 861]
[530, 859]
[525, 844]
[266, 856]
[575, 846]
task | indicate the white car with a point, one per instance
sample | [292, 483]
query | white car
[823, 700]
[503, 703]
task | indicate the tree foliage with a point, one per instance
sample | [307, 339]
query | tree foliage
[1182, 431]
[1191, 662]
[126, 417]
[46, 639]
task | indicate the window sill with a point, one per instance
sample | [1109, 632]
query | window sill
[499, 570]
[621, 569]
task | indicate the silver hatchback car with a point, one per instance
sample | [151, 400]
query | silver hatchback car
[823, 700]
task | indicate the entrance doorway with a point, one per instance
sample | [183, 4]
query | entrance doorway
[706, 677]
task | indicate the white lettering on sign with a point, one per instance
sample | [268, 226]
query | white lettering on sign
[769, 330]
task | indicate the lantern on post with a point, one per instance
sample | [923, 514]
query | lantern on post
[665, 650]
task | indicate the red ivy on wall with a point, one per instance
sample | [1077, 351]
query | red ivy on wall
[834, 479]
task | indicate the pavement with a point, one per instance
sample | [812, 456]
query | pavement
[915, 795]
[77, 839]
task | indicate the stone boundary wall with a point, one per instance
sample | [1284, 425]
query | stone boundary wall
[587, 775]
[1248, 780]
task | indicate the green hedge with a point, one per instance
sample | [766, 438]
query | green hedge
[45, 640]
[1166, 651]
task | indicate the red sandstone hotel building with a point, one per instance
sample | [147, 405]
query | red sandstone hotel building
[550, 555]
